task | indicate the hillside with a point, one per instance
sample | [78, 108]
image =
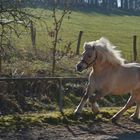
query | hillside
[118, 28]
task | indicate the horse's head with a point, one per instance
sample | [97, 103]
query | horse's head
[89, 57]
[106, 54]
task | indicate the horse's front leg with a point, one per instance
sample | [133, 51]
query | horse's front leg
[89, 90]
[93, 99]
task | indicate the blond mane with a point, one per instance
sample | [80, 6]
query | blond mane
[108, 52]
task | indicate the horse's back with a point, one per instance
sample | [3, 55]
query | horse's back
[132, 65]
[132, 68]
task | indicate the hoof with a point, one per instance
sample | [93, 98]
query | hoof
[133, 116]
[76, 114]
[114, 119]
[95, 108]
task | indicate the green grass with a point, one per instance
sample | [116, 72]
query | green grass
[119, 29]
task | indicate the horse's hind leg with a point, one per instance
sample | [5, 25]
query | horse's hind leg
[129, 103]
[135, 115]
[136, 95]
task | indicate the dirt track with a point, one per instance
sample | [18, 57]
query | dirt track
[126, 129]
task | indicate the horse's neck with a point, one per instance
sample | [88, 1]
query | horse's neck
[100, 68]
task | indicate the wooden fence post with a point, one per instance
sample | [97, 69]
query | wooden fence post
[79, 42]
[33, 34]
[135, 48]
[60, 96]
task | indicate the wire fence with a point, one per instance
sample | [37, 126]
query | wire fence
[41, 40]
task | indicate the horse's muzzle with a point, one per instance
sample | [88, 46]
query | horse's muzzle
[79, 67]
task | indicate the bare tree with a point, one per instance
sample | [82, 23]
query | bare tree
[12, 14]
[55, 30]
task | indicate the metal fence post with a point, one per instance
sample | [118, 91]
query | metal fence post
[60, 95]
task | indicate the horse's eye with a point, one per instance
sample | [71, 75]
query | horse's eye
[89, 56]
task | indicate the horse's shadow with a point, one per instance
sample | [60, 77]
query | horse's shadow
[137, 121]
[96, 127]
[85, 129]
[128, 136]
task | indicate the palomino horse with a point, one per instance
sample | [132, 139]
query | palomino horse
[109, 76]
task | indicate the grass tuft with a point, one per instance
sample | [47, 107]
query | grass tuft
[54, 118]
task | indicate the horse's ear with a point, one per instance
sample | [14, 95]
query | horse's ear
[86, 46]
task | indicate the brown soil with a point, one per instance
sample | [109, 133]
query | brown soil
[125, 129]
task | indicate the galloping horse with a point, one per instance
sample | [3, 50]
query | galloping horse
[109, 76]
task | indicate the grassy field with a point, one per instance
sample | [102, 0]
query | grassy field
[118, 28]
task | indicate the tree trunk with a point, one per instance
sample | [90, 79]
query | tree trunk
[96, 3]
[54, 53]
[104, 3]
[122, 4]
[126, 4]
[115, 4]
[0, 63]
[1, 43]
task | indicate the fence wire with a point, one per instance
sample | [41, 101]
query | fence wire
[127, 53]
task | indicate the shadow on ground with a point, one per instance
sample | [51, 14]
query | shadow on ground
[129, 136]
